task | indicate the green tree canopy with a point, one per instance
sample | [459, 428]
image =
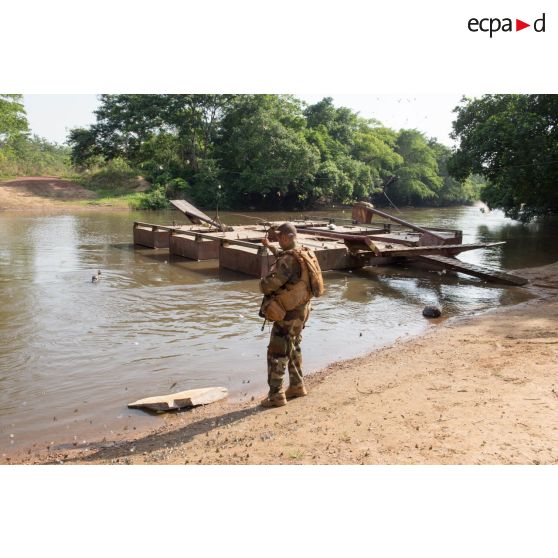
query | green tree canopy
[262, 151]
[418, 178]
[356, 153]
[85, 150]
[22, 153]
[33, 156]
[511, 140]
[454, 191]
[13, 119]
[265, 157]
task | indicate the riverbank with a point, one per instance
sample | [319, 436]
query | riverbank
[54, 194]
[42, 193]
[477, 390]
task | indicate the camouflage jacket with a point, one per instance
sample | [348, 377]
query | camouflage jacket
[285, 270]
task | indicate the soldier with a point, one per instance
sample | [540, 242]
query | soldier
[283, 350]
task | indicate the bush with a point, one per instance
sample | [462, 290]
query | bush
[33, 156]
[155, 199]
[177, 188]
[116, 175]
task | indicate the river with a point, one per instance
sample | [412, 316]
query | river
[73, 353]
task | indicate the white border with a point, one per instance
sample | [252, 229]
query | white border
[250, 46]
[280, 510]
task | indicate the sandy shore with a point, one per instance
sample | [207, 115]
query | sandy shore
[40, 193]
[477, 390]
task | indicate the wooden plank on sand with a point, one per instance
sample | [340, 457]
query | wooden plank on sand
[188, 398]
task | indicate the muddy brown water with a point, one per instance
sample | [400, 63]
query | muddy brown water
[73, 353]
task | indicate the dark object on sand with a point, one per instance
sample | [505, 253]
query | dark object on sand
[432, 312]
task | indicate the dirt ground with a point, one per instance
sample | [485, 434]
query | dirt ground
[476, 390]
[41, 193]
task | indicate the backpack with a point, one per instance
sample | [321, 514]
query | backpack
[306, 257]
[274, 307]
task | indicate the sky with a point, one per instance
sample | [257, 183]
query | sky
[52, 116]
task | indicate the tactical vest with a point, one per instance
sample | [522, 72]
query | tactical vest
[292, 295]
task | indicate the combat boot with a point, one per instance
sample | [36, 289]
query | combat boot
[274, 400]
[296, 391]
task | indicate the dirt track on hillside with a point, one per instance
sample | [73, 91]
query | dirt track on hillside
[41, 192]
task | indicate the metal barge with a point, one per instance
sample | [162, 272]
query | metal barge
[339, 244]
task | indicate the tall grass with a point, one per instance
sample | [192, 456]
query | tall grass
[33, 156]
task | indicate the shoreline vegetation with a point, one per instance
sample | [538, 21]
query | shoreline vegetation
[480, 389]
[264, 152]
[276, 152]
[77, 192]
[236, 152]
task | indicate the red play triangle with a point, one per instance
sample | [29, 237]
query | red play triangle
[519, 25]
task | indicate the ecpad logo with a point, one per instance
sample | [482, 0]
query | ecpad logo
[493, 25]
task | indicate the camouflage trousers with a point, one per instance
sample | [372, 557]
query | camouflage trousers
[284, 352]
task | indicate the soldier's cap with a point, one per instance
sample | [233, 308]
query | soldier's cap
[287, 228]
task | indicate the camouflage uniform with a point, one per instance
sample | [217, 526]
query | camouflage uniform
[284, 344]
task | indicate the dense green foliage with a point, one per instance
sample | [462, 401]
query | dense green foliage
[13, 120]
[33, 156]
[116, 176]
[511, 140]
[451, 189]
[265, 152]
[21, 154]
[117, 183]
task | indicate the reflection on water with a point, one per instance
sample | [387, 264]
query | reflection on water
[74, 353]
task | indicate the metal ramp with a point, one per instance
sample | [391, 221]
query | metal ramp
[195, 215]
[487, 274]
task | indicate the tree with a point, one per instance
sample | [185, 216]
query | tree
[453, 191]
[33, 156]
[418, 180]
[512, 141]
[263, 151]
[375, 146]
[264, 154]
[13, 119]
[340, 123]
[85, 152]
[356, 153]
[125, 123]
